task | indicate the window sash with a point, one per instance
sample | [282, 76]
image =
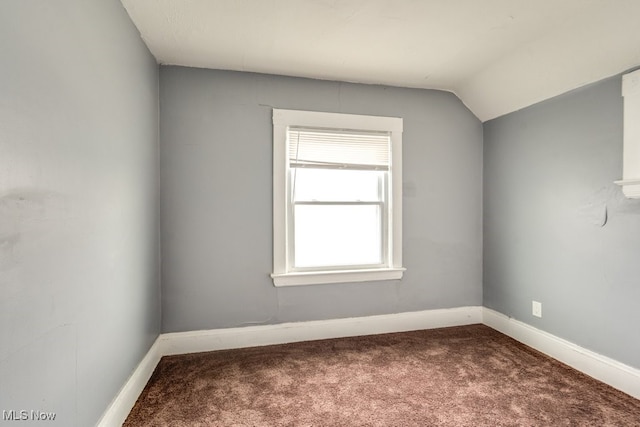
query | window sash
[384, 237]
[342, 195]
[381, 241]
[383, 202]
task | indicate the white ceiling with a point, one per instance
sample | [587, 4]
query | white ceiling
[497, 55]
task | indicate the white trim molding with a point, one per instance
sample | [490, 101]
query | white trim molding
[630, 187]
[255, 336]
[119, 409]
[618, 375]
[340, 276]
[282, 333]
[284, 271]
[609, 371]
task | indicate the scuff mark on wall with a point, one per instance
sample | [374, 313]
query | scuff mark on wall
[608, 201]
[26, 216]
[270, 320]
[409, 189]
[8, 243]
[605, 217]
[594, 208]
[26, 205]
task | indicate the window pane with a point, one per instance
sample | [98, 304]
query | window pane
[335, 185]
[337, 235]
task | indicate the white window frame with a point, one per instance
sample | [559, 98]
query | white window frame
[283, 272]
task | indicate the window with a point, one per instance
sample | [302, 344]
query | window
[337, 197]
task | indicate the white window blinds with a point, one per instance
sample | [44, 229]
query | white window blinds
[332, 149]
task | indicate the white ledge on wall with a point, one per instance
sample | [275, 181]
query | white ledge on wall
[631, 133]
[630, 187]
[339, 276]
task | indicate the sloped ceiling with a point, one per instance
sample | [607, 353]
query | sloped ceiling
[498, 56]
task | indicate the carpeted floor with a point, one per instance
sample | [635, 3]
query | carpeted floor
[462, 376]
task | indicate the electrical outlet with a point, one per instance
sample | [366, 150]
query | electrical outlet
[536, 308]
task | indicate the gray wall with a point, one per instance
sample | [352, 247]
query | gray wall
[216, 209]
[79, 285]
[556, 228]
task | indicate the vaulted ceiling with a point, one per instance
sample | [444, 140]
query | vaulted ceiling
[498, 56]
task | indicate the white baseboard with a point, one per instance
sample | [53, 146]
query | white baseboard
[119, 409]
[252, 336]
[609, 371]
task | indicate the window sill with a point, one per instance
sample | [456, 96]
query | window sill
[338, 276]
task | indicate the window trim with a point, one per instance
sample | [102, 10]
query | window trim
[282, 119]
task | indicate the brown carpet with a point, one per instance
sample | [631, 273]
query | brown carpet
[462, 376]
